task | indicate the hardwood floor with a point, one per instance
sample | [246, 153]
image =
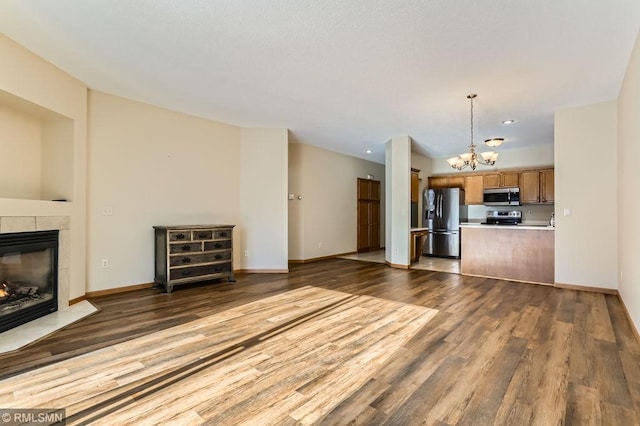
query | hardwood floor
[496, 352]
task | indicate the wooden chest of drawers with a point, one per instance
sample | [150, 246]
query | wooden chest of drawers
[188, 253]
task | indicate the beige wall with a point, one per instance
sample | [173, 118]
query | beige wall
[26, 76]
[262, 241]
[152, 166]
[21, 148]
[57, 153]
[629, 187]
[585, 183]
[323, 223]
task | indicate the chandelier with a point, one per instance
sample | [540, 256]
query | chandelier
[471, 158]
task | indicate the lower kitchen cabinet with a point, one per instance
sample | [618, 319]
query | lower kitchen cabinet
[189, 253]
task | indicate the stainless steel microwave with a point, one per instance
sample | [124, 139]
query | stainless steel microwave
[501, 197]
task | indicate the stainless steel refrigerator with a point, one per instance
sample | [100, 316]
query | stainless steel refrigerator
[443, 210]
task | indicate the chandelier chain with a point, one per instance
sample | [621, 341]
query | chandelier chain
[471, 97]
[471, 158]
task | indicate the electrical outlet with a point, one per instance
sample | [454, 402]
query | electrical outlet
[105, 263]
[320, 244]
[246, 253]
[107, 211]
[620, 276]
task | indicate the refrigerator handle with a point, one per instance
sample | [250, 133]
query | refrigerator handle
[437, 205]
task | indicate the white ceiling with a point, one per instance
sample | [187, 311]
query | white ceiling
[345, 75]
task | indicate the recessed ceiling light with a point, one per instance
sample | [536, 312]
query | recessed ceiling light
[508, 121]
[368, 151]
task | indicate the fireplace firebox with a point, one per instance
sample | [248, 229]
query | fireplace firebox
[28, 276]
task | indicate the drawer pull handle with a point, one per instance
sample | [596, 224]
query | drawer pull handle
[180, 237]
[202, 235]
[218, 256]
[217, 245]
[223, 234]
[186, 273]
[218, 268]
[186, 260]
[186, 248]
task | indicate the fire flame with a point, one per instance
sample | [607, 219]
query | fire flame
[3, 290]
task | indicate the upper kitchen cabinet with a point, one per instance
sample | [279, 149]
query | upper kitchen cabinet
[415, 197]
[510, 180]
[415, 185]
[530, 187]
[368, 189]
[547, 186]
[439, 182]
[501, 180]
[473, 189]
[537, 187]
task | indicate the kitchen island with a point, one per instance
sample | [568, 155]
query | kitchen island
[511, 252]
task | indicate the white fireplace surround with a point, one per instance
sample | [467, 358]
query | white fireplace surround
[10, 224]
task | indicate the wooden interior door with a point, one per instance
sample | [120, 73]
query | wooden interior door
[368, 215]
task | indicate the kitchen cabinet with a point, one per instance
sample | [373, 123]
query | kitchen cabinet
[368, 189]
[415, 197]
[510, 179]
[530, 187]
[456, 182]
[473, 189]
[415, 185]
[501, 180]
[537, 187]
[439, 182]
[547, 188]
[491, 180]
[368, 206]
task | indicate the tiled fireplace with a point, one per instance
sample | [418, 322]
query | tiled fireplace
[28, 277]
[31, 285]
